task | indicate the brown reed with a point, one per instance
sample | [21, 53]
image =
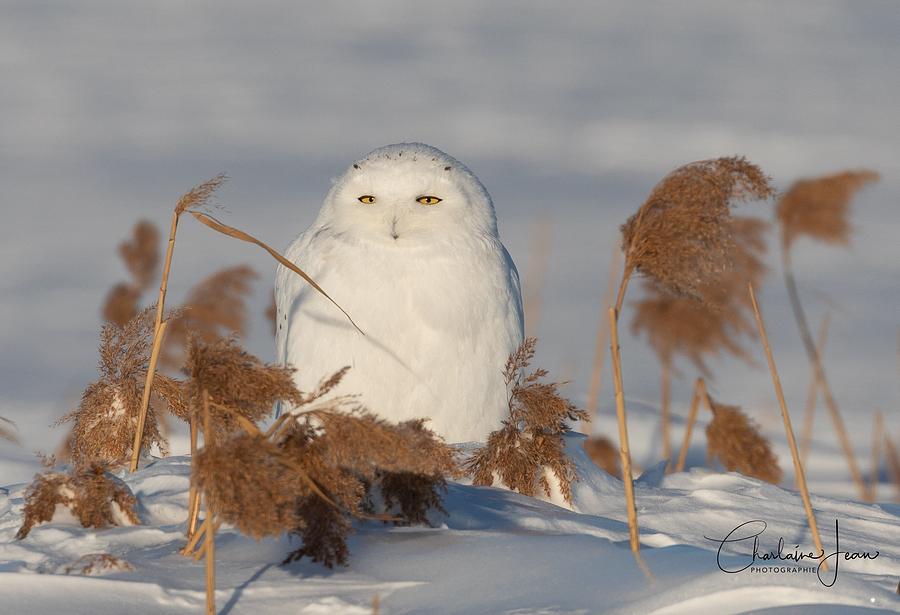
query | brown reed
[812, 393]
[603, 453]
[531, 438]
[600, 345]
[819, 208]
[795, 455]
[104, 420]
[682, 237]
[92, 494]
[196, 197]
[699, 394]
[735, 440]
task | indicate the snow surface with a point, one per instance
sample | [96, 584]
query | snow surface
[494, 552]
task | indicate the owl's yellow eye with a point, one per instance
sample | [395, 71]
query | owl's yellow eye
[368, 199]
[429, 200]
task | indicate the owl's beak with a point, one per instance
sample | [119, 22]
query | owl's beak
[394, 232]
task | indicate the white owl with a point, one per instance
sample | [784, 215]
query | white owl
[406, 241]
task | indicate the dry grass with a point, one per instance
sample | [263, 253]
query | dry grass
[735, 441]
[309, 474]
[214, 308]
[95, 497]
[140, 255]
[819, 207]
[238, 383]
[104, 422]
[531, 439]
[604, 453]
[122, 304]
[682, 236]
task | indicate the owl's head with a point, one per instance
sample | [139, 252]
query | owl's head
[408, 194]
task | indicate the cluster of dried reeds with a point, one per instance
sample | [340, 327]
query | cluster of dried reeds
[683, 239]
[104, 421]
[309, 473]
[95, 497]
[530, 442]
[216, 304]
[819, 208]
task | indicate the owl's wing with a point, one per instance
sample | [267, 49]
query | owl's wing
[287, 286]
[516, 289]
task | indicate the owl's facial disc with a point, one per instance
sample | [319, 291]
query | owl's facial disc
[408, 195]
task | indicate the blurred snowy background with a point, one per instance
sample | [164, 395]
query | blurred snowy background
[568, 112]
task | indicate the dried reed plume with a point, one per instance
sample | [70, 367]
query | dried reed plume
[819, 208]
[214, 308]
[682, 237]
[697, 329]
[95, 497]
[531, 439]
[604, 454]
[194, 198]
[8, 433]
[735, 440]
[104, 422]
[140, 254]
[122, 304]
[238, 383]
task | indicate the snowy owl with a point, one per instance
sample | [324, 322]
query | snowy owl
[406, 241]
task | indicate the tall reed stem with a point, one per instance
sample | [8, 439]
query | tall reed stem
[699, 393]
[666, 394]
[210, 542]
[624, 452]
[795, 454]
[816, 361]
[158, 331]
[812, 394]
[593, 399]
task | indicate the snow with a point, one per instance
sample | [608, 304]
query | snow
[495, 551]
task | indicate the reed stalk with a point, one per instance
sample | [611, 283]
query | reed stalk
[624, 452]
[812, 394]
[593, 399]
[698, 394]
[795, 454]
[816, 360]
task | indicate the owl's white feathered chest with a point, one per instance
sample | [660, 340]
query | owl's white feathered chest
[439, 322]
